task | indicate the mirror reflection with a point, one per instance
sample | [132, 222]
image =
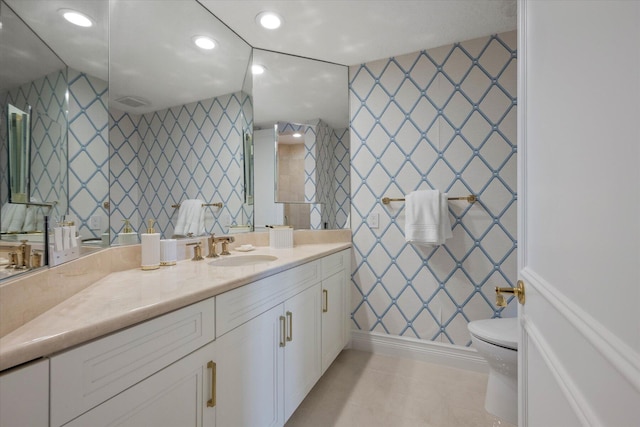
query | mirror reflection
[35, 80]
[302, 181]
[19, 126]
[179, 115]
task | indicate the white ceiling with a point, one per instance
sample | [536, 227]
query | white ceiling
[168, 71]
[352, 32]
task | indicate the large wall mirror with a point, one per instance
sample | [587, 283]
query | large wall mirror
[33, 150]
[301, 142]
[136, 119]
[180, 116]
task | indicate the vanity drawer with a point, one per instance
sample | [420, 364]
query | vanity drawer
[333, 263]
[88, 375]
[235, 307]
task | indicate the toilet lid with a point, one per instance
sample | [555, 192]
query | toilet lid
[502, 332]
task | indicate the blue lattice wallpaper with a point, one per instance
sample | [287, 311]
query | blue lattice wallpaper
[88, 151]
[190, 151]
[444, 118]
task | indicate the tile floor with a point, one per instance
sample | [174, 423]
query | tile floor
[363, 389]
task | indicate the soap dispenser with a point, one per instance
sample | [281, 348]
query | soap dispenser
[150, 248]
[127, 236]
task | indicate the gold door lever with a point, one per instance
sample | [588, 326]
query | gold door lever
[518, 291]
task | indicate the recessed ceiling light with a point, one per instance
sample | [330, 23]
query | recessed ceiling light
[297, 135]
[269, 20]
[76, 18]
[257, 69]
[204, 42]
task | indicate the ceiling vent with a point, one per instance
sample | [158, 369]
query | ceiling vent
[132, 101]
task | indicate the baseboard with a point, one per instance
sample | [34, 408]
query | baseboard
[412, 348]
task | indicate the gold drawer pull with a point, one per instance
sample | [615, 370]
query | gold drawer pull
[212, 402]
[283, 331]
[290, 317]
[325, 293]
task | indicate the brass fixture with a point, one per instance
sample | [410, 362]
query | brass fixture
[518, 291]
[13, 260]
[36, 259]
[225, 240]
[283, 331]
[290, 334]
[197, 251]
[325, 293]
[225, 248]
[212, 247]
[212, 402]
[218, 205]
[472, 198]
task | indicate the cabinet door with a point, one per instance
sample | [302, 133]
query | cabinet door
[333, 317]
[302, 351]
[24, 396]
[250, 373]
[178, 395]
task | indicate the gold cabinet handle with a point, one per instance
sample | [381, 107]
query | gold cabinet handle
[212, 402]
[325, 293]
[518, 291]
[283, 331]
[290, 334]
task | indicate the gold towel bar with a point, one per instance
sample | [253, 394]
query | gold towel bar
[217, 205]
[470, 198]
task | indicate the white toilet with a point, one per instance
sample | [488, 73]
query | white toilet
[497, 341]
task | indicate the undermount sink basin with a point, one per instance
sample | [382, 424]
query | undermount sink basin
[242, 260]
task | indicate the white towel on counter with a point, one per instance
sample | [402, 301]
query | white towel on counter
[190, 218]
[427, 218]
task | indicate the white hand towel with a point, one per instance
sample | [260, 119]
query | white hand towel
[5, 216]
[30, 220]
[17, 220]
[427, 218]
[190, 218]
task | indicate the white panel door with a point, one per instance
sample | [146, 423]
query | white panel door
[249, 373]
[579, 212]
[333, 317]
[267, 211]
[178, 395]
[24, 395]
[302, 350]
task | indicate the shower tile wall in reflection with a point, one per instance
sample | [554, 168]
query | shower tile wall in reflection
[444, 118]
[186, 152]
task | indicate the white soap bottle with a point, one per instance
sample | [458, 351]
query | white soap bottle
[127, 236]
[150, 248]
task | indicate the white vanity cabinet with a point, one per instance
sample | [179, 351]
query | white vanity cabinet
[24, 395]
[182, 394]
[93, 373]
[336, 272]
[246, 357]
[302, 346]
[248, 374]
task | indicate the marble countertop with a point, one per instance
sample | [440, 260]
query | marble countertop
[126, 298]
